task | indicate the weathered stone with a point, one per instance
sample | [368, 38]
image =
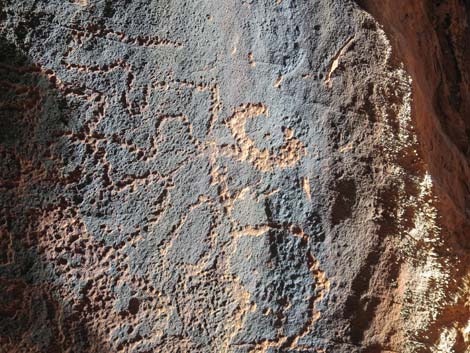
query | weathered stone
[234, 176]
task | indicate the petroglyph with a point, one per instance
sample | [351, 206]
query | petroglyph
[182, 177]
[336, 60]
[289, 154]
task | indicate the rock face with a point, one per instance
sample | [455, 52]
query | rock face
[234, 176]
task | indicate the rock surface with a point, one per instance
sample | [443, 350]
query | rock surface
[234, 176]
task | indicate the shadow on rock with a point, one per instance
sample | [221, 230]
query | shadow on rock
[34, 315]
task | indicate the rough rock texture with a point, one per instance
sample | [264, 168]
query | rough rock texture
[234, 176]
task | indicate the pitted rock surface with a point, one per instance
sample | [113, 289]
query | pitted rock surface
[212, 176]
